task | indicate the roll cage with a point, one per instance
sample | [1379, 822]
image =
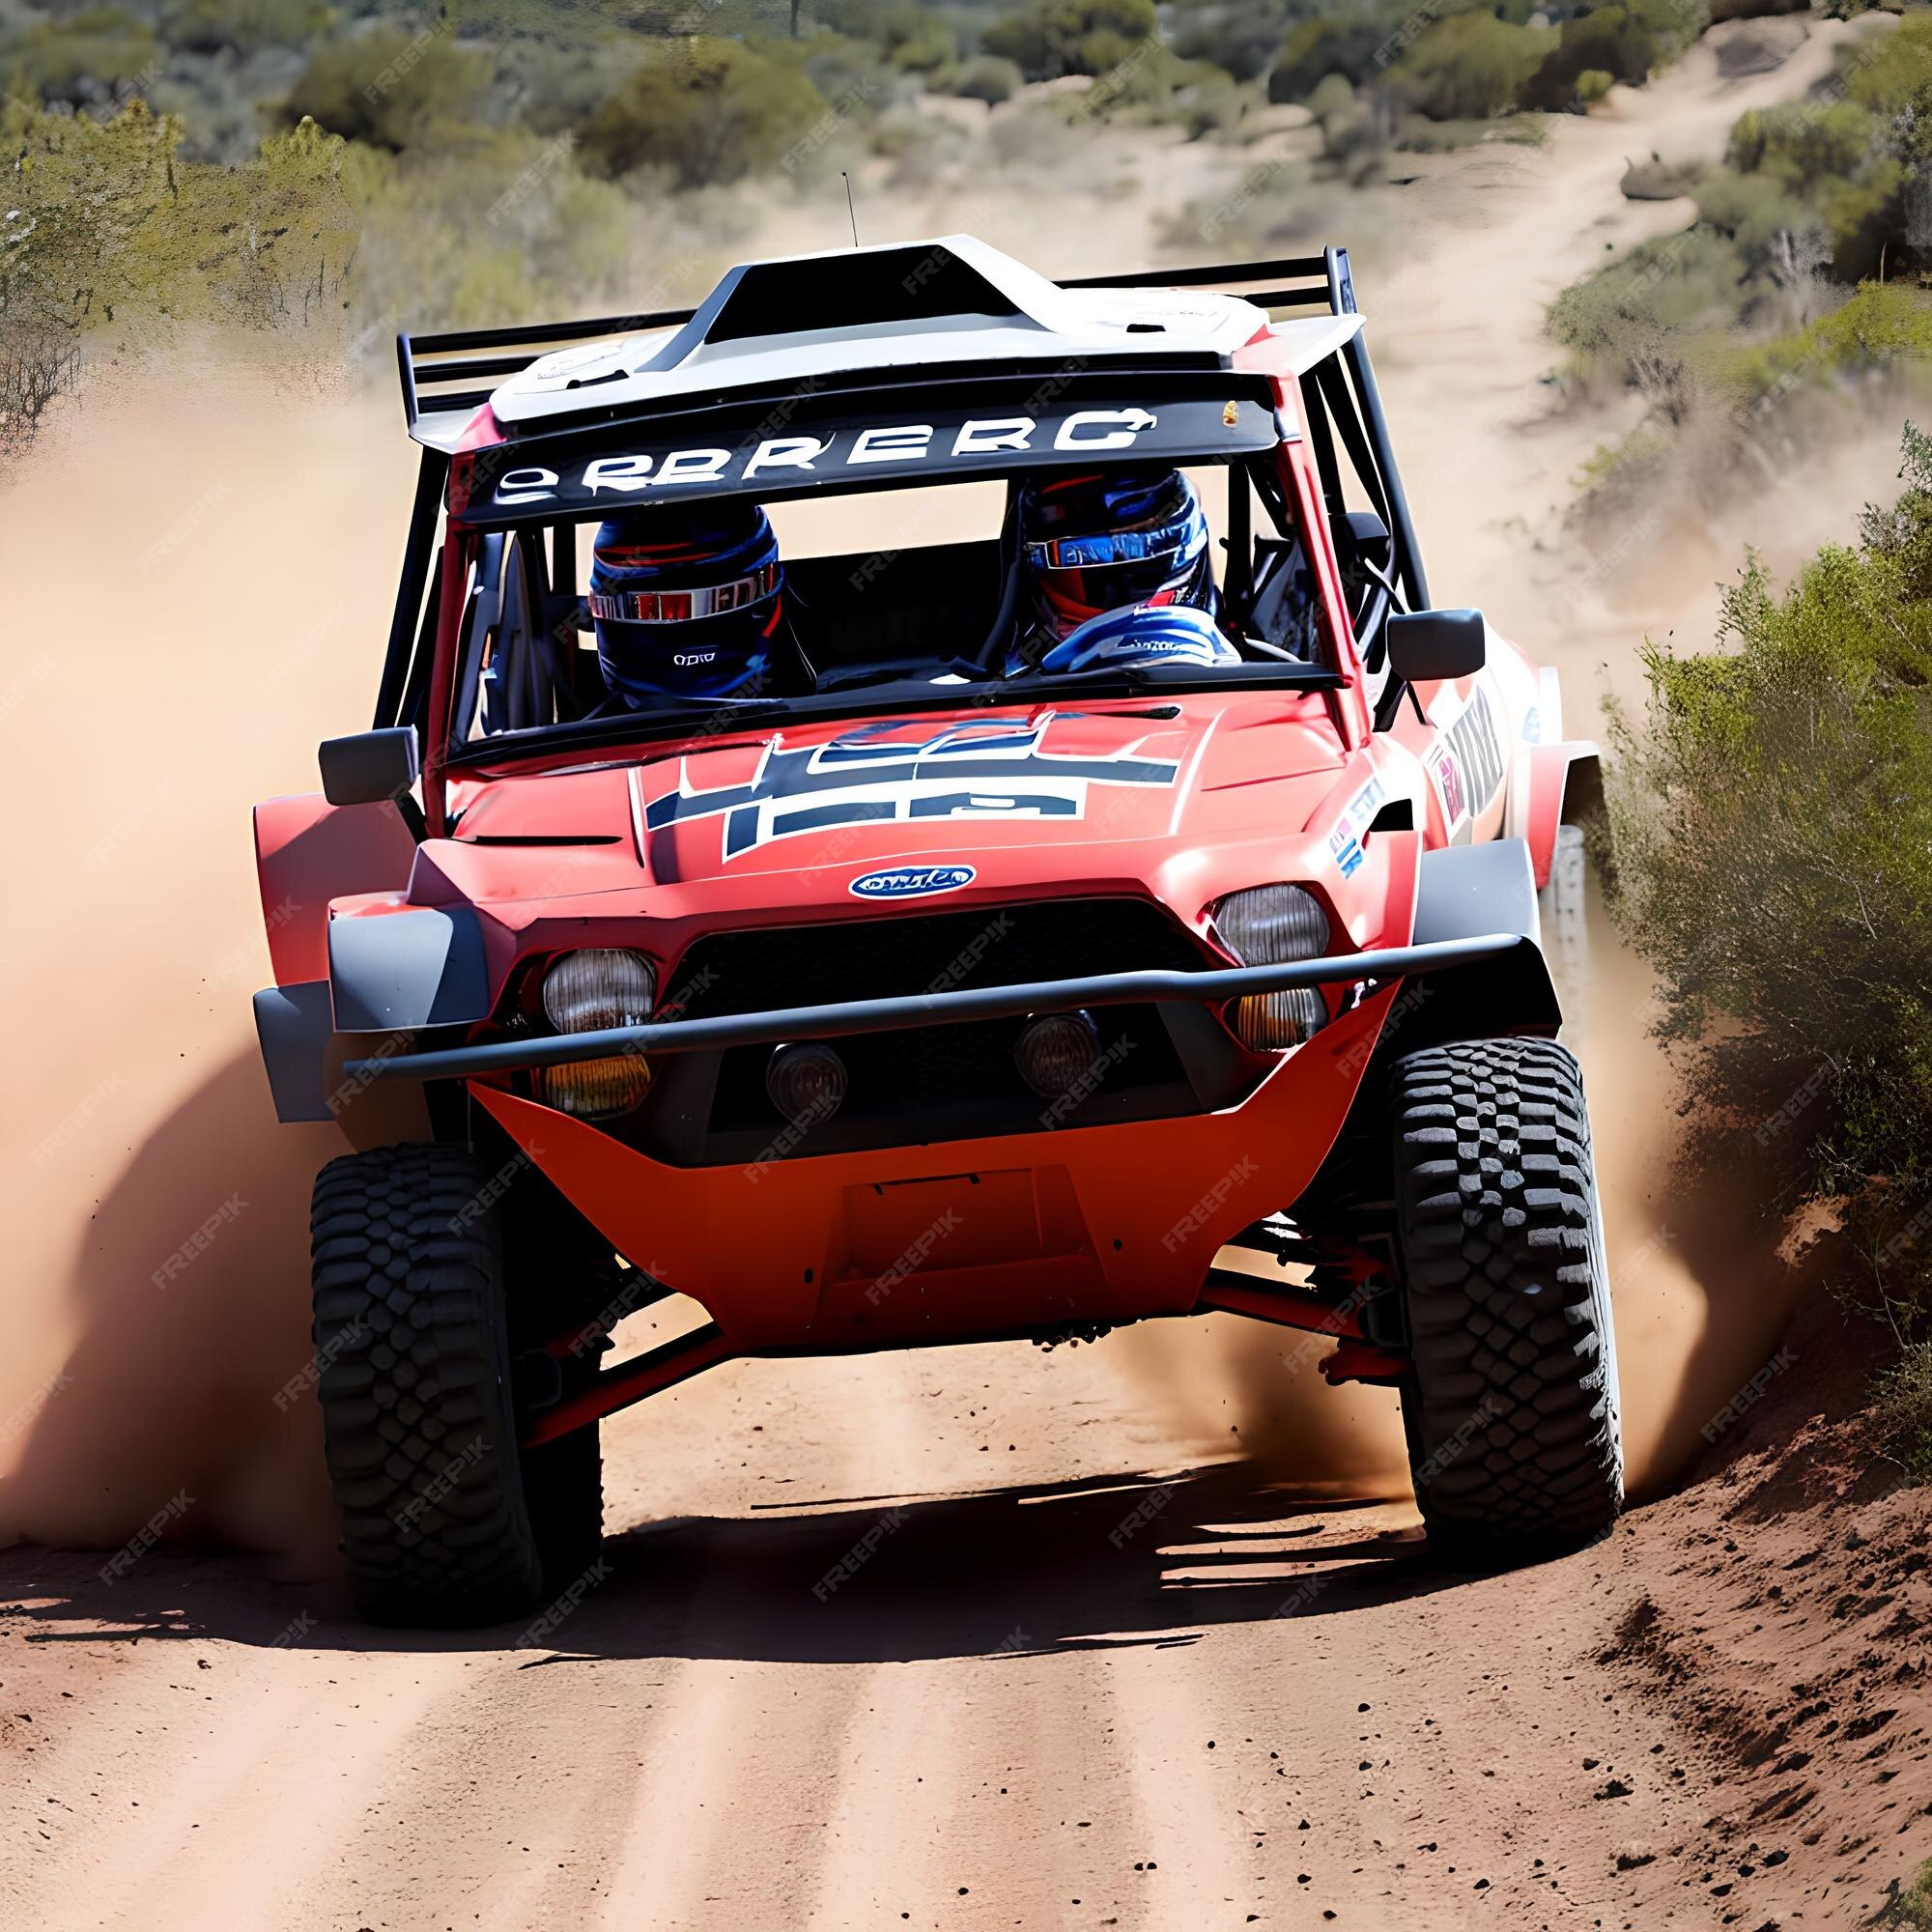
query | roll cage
[1310, 442]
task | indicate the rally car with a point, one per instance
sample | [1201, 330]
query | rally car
[935, 997]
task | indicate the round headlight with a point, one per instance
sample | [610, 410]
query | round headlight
[1272, 925]
[584, 992]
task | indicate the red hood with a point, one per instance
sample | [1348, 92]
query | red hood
[1166, 798]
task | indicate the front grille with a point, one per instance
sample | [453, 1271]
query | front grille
[762, 967]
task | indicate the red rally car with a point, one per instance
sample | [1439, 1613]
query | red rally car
[932, 997]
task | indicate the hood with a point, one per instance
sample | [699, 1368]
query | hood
[923, 792]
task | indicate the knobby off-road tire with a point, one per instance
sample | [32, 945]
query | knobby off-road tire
[1511, 1407]
[444, 1520]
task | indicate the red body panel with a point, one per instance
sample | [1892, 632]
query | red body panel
[944, 1242]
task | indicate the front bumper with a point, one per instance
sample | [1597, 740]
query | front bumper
[961, 1240]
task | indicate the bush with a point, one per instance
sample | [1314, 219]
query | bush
[1635, 315]
[79, 57]
[1053, 38]
[1626, 39]
[1593, 84]
[243, 28]
[990, 79]
[1773, 814]
[391, 89]
[1314, 49]
[1468, 67]
[1901, 1415]
[1241, 38]
[709, 111]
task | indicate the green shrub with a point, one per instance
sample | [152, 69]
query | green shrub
[1314, 49]
[1881, 325]
[1239, 39]
[1626, 39]
[1901, 1416]
[52, 60]
[1468, 67]
[989, 77]
[1635, 315]
[1593, 83]
[243, 26]
[391, 89]
[710, 111]
[1773, 817]
[1052, 38]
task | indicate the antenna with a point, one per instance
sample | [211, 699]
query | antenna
[849, 209]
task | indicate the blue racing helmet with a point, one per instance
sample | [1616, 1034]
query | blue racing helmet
[1094, 543]
[686, 600]
[1147, 634]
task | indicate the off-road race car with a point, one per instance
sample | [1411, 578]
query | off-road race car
[930, 999]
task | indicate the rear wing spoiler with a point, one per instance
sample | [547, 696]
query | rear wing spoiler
[440, 372]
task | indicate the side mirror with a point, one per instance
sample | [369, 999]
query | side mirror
[369, 767]
[1424, 645]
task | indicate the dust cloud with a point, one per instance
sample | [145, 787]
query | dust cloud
[197, 593]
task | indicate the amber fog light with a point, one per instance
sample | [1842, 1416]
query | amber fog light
[1269, 1022]
[596, 1089]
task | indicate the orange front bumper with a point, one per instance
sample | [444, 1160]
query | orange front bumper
[958, 1240]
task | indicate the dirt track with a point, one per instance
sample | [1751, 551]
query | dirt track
[1097, 1660]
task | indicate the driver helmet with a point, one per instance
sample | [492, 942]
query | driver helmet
[1100, 542]
[686, 600]
[1145, 633]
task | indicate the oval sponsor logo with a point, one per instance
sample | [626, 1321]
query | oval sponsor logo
[911, 882]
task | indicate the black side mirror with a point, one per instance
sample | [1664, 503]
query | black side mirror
[1424, 645]
[369, 767]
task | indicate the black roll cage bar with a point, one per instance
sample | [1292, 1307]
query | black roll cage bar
[1341, 406]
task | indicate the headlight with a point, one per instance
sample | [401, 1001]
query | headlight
[584, 992]
[1274, 925]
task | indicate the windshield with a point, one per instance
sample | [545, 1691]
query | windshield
[1104, 579]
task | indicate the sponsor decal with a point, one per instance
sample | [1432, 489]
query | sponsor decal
[911, 882]
[1532, 725]
[1478, 752]
[1344, 842]
[1449, 779]
[888, 774]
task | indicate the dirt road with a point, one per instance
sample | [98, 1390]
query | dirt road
[979, 1638]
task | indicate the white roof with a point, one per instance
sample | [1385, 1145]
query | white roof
[758, 328]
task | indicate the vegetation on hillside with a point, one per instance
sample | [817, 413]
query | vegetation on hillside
[1773, 817]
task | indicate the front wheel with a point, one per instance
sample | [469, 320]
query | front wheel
[1511, 1404]
[445, 1520]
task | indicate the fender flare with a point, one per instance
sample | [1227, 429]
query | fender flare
[1461, 891]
